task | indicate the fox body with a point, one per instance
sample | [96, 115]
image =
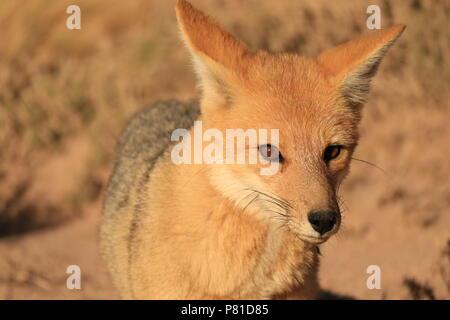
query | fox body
[224, 231]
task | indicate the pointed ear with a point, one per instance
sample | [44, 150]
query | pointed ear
[216, 54]
[354, 63]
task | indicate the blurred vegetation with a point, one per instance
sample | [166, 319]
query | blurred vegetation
[64, 91]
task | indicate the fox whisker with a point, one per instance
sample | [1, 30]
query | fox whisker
[244, 198]
[273, 202]
[281, 202]
[370, 164]
[251, 201]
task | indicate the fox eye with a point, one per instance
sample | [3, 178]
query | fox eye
[331, 152]
[270, 153]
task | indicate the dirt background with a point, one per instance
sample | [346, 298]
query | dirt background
[66, 94]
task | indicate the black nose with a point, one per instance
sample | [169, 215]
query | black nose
[322, 220]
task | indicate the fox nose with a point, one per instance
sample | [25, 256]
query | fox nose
[322, 220]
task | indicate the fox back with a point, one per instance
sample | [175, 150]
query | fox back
[222, 229]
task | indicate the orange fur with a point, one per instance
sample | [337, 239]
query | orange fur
[199, 236]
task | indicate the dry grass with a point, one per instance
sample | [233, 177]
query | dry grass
[65, 95]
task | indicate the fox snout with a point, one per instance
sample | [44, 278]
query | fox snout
[317, 226]
[323, 221]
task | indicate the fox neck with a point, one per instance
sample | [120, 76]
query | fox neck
[269, 246]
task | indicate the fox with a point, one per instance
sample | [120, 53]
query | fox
[223, 230]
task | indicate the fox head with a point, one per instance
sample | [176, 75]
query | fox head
[315, 103]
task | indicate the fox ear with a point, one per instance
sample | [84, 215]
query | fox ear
[354, 63]
[216, 54]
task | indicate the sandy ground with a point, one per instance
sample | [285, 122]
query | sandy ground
[396, 219]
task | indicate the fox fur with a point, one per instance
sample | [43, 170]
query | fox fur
[215, 231]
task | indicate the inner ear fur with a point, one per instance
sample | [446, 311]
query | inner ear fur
[354, 63]
[216, 54]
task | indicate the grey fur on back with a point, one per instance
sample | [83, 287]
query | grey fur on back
[143, 141]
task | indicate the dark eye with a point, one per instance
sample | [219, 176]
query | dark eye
[270, 153]
[331, 153]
